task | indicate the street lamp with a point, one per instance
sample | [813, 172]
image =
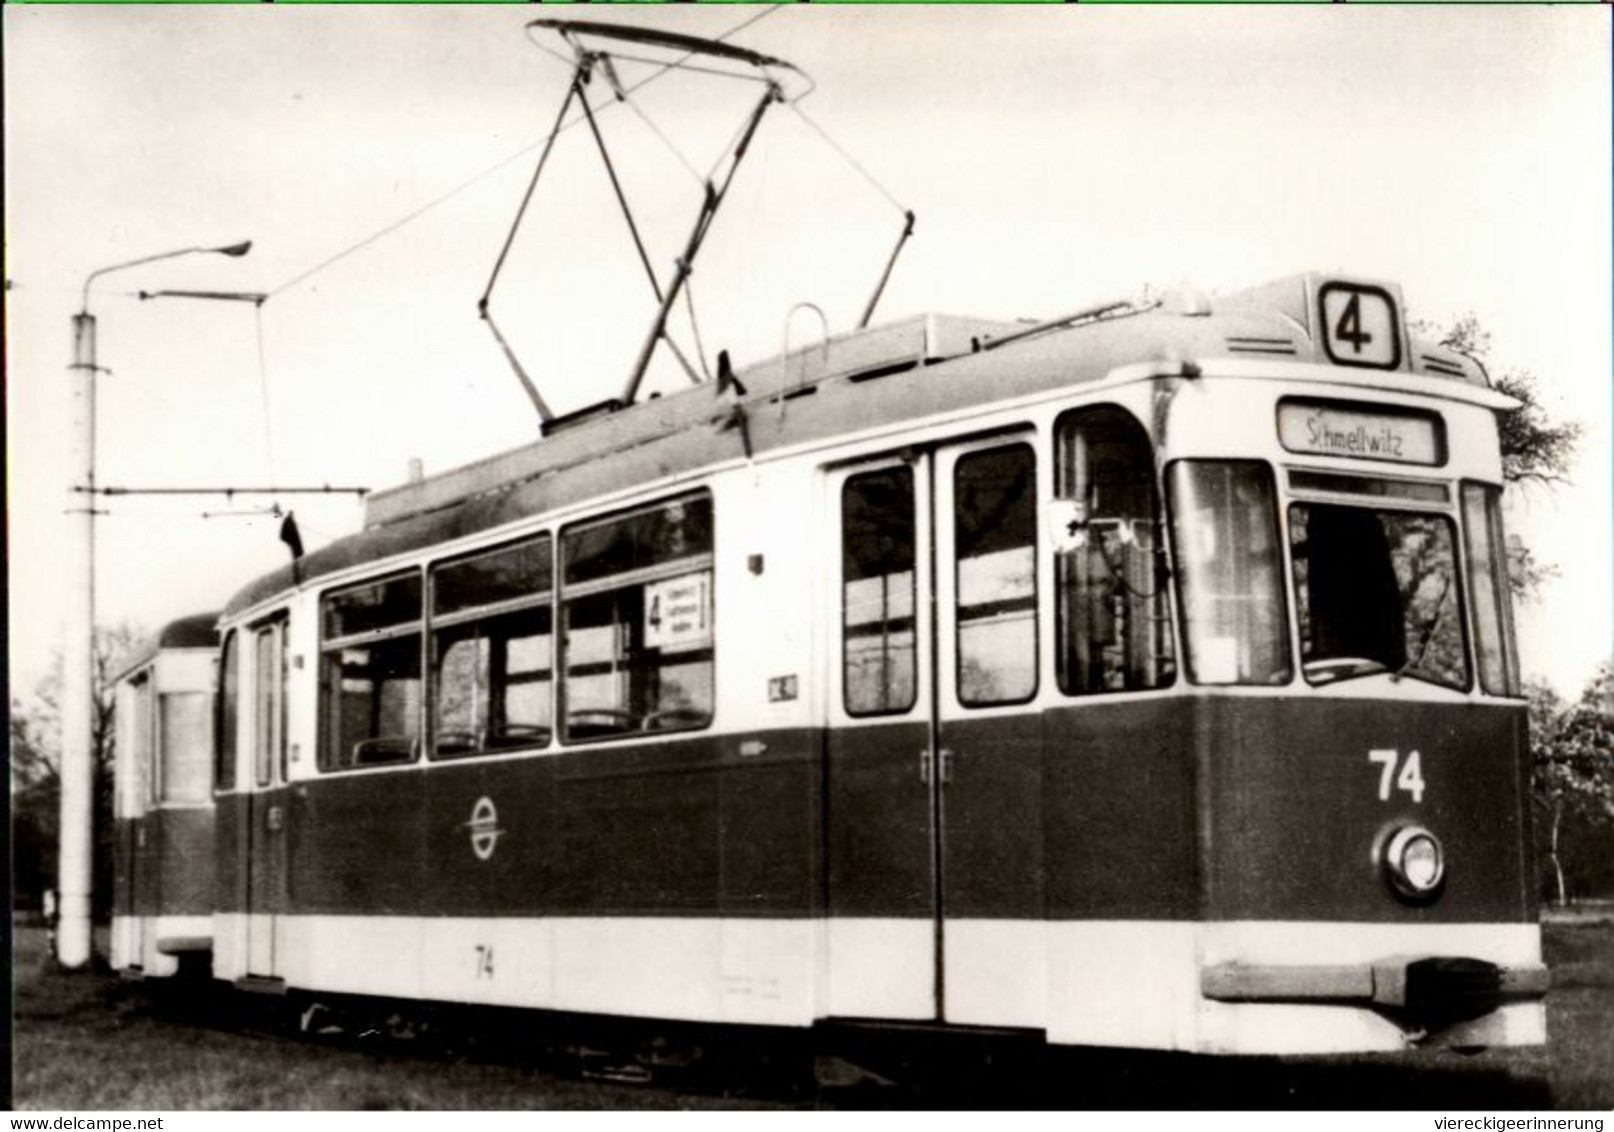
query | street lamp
[78, 677]
[240, 249]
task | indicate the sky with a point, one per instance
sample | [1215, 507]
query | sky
[1054, 156]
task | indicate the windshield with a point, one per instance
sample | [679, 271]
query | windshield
[1488, 589]
[1376, 591]
[1229, 571]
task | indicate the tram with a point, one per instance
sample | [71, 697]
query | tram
[163, 701]
[1142, 678]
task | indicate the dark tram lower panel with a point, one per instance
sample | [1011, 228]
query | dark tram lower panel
[1173, 872]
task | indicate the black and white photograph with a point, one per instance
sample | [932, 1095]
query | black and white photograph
[904, 557]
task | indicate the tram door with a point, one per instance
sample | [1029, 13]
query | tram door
[138, 793]
[933, 812]
[266, 837]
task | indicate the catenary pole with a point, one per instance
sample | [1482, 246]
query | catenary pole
[77, 831]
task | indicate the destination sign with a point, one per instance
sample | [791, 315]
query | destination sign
[1326, 429]
[678, 612]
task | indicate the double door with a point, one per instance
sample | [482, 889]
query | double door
[264, 824]
[139, 877]
[933, 802]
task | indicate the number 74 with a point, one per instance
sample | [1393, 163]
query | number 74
[1410, 779]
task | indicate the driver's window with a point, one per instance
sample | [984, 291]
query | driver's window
[1376, 591]
[1113, 620]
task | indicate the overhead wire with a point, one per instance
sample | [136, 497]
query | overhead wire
[850, 160]
[665, 140]
[13, 286]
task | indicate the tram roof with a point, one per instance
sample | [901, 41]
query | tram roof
[905, 370]
[197, 631]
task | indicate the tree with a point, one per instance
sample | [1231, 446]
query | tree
[36, 744]
[35, 788]
[1535, 448]
[39, 724]
[1573, 751]
[33, 749]
[1571, 745]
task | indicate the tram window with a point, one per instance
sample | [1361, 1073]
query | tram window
[143, 753]
[126, 797]
[185, 731]
[877, 592]
[995, 525]
[224, 734]
[375, 608]
[492, 650]
[269, 715]
[1114, 627]
[1376, 591]
[1225, 527]
[370, 699]
[1488, 583]
[637, 620]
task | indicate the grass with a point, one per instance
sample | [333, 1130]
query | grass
[1580, 1013]
[93, 1042]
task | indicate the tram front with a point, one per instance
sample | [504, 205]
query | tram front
[1360, 747]
[1322, 842]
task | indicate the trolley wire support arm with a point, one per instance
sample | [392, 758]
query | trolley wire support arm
[256, 298]
[685, 263]
[227, 492]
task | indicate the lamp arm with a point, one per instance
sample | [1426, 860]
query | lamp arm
[230, 250]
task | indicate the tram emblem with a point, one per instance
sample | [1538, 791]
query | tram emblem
[484, 827]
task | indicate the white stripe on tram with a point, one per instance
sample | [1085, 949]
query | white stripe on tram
[1126, 983]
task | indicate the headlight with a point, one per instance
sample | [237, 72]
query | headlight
[1414, 862]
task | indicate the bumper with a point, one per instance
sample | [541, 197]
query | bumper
[1431, 990]
[183, 944]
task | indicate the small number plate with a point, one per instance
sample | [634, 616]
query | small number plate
[1360, 327]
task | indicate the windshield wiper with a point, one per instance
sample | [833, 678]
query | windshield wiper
[1428, 631]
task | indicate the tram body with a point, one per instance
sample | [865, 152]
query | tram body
[163, 800]
[1146, 681]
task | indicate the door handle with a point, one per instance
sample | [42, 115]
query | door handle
[941, 762]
